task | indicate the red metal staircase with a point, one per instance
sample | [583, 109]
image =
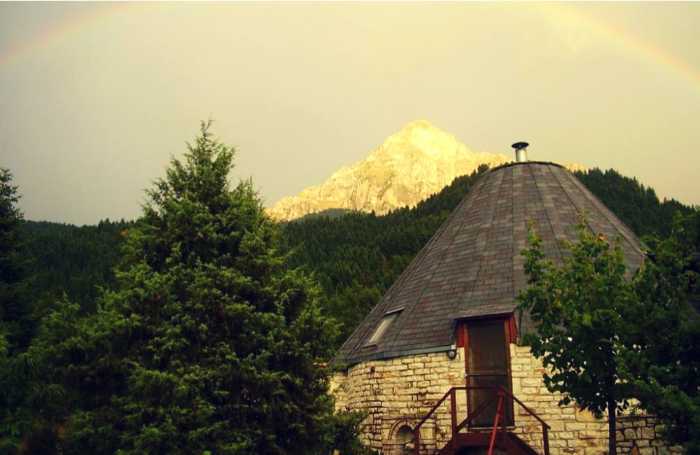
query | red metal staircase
[496, 439]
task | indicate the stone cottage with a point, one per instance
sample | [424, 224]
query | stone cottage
[436, 365]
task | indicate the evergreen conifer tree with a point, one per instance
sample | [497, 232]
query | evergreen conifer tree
[14, 311]
[210, 344]
[16, 322]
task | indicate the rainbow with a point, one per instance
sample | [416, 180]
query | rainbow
[559, 13]
[60, 31]
[573, 17]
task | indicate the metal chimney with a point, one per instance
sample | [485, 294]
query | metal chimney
[520, 151]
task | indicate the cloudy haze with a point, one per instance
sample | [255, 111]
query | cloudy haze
[95, 98]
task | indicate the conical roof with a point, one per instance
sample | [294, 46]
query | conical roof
[472, 266]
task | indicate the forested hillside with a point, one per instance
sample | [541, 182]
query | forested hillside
[635, 204]
[355, 256]
[71, 259]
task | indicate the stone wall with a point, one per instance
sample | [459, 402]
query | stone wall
[641, 436]
[399, 392]
[572, 431]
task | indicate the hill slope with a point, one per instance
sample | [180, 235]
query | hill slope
[73, 260]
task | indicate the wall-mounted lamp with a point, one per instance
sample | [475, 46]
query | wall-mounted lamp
[452, 353]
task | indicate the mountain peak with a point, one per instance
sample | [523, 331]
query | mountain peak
[412, 164]
[420, 127]
[420, 124]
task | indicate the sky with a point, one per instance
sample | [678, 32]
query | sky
[96, 98]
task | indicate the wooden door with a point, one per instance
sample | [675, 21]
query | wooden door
[488, 364]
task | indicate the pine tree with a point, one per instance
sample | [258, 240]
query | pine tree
[16, 323]
[210, 344]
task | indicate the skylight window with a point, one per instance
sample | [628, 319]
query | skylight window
[384, 324]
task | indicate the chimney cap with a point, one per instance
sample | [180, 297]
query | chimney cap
[520, 145]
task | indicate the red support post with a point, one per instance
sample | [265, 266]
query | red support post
[416, 441]
[467, 409]
[499, 409]
[453, 412]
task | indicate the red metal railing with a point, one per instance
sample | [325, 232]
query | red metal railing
[501, 394]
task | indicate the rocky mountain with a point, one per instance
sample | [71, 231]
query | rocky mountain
[409, 166]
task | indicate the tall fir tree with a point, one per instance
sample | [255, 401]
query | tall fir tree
[16, 322]
[210, 344]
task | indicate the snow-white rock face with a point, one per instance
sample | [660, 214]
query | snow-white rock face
[411, 165]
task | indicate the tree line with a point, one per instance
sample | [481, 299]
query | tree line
[354, 256]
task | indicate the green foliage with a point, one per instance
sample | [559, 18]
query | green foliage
[15, 318]
[635, 204]
[609, 336]
[662, 359]
[344, 430]
[578, 310]
[74, 260]
[210, 343]
[62, 259]
[16, 323]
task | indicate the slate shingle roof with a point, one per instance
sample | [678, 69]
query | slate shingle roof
[472, 265]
